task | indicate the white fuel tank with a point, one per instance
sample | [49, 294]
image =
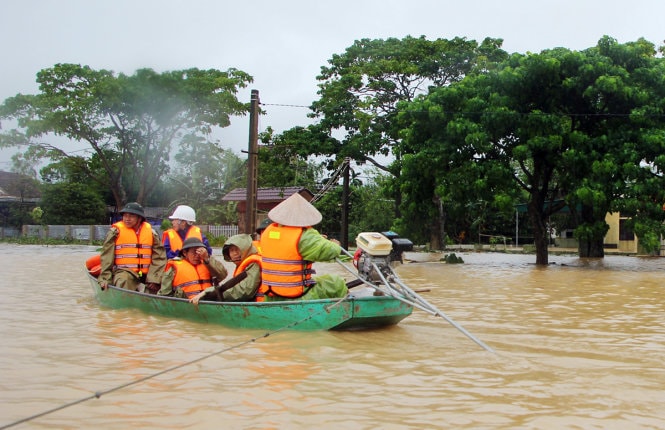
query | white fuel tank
[374, 243]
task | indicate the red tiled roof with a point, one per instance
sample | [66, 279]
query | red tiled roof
[276, 194]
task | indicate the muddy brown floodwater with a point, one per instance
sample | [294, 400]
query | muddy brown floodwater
[579, 344]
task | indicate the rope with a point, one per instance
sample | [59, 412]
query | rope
[333, 180]
[99, 394]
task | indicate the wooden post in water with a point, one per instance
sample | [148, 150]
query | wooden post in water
[252, 163]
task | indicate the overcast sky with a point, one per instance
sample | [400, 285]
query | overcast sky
[283, 44]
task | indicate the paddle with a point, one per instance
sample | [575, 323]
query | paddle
[410, 297]
[219, 289]
[357, 282]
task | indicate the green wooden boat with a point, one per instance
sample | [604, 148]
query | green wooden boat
[360, 310]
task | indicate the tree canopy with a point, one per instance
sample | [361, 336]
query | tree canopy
[129, 122]
[360, 89]
[559, 125]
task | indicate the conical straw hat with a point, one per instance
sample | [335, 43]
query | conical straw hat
[295, 212]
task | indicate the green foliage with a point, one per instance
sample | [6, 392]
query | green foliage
[166, 224]
[15, 215]
[129, 122]
[285, 161]
[71, 203]
[452, 258]
[649, 232]
[555, 124]
[216, 241]
[361, 88]
[369, 209]
[203, 174]
[37, 214]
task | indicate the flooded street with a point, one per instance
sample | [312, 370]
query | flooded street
[579, 344]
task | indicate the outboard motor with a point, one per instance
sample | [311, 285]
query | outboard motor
[400, 244]
[380, 250]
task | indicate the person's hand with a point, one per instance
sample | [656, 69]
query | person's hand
[335, 241]
[152, 287]
[197, 297]
[203, 254]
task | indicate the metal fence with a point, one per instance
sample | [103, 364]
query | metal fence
[221, 230]
[90, 233]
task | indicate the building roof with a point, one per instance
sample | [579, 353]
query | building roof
[17, 187]
[275, 194]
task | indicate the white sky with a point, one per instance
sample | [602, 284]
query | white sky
[283, 44]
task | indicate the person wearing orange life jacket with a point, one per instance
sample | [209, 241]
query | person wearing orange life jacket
[194, 271]
[289, 247]
[182, 220]
[239, 250]
[132, 253]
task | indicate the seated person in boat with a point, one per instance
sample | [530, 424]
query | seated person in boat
[259, 231]
[194, 271]
[289, 246]
[239, 250]
[132, 253]
[182, 220]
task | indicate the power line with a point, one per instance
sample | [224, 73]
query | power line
[284, 105]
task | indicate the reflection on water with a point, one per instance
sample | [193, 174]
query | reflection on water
[580, 344]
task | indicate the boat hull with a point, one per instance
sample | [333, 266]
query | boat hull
[352, 313]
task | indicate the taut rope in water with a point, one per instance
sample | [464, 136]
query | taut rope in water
[99, 394]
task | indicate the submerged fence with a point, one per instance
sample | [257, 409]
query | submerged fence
[91, 233]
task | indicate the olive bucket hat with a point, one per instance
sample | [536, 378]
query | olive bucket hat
[191, 242]
[133, 208]
[264, 225]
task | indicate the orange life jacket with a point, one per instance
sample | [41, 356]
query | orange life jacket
[133, 250]
[175, 242]
[254, 258]
[189, 278]
[257, 245]
[94, 265]
[284, 273]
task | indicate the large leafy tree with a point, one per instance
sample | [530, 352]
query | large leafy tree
[360, 89]
[283, 161]
[615, 103]
[203, 174]
[129, 122]
[561, 124]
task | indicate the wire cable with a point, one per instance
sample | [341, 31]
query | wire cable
[98, 394]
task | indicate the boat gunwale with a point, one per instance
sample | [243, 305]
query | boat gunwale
[359, 311]
[349, 297]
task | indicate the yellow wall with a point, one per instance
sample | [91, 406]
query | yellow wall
[612, 235]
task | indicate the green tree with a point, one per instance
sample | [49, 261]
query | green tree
[553, 122]
[619, 163]
[361, 88]
[284, 159]
[129, 122]
[71, 203]
[204, 173]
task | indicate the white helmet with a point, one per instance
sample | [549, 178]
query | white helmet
[184, 213]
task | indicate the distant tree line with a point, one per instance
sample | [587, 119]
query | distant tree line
[456, 133]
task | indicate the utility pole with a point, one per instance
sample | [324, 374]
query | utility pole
[252, 163]
[344, 239]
